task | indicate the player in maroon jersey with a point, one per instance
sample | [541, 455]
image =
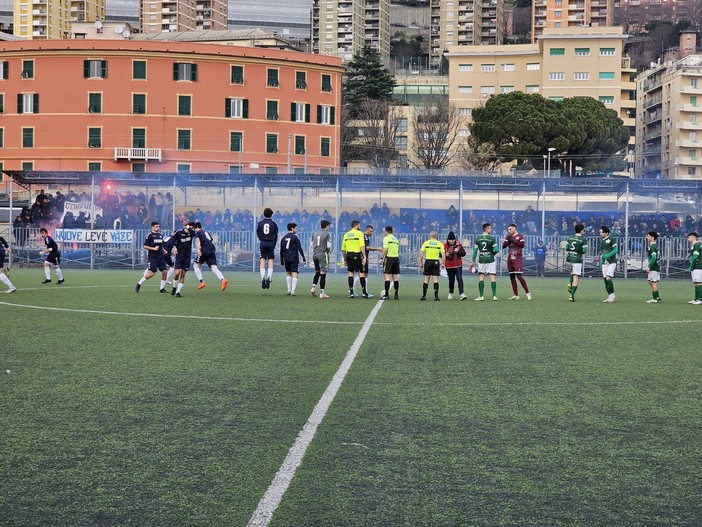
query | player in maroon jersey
[514, 243]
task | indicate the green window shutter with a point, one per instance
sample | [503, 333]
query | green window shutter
[86, 69]
[324, 147]
[175, 71]
[293, 113]
[557, 51]
[606, 75]
[20, 103]
[5, 70]
[36, 103]
[307, 112]
[193, 72]
[245, 108]
[227, 107]
[103, 69]
[319, 114]
[332, 111]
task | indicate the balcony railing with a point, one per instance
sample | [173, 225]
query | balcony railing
[147, 154]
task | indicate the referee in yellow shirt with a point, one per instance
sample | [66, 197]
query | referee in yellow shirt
[353, 249]
[431, 258]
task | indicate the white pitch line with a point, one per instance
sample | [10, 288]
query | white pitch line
[274, 495]
[566, 323]
[167, 315]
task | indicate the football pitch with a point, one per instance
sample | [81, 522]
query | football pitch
[126, 409]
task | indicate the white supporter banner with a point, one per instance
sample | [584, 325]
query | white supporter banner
[94, 236]
[76, 207]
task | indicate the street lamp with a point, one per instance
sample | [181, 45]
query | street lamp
[551, 149]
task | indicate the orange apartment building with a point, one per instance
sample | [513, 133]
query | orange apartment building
[142, 106]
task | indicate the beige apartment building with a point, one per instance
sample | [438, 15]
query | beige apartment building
[45, 19]
[161, 16]
[669, 123]
[570, 13]
[342, 27]
[565, 63]
[464, 23]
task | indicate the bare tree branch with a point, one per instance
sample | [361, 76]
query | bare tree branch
[435, 126]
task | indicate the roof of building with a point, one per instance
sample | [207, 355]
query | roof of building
[222, 35]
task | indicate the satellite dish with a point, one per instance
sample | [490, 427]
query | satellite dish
[126, 33]
[119, 29]
[98, 24]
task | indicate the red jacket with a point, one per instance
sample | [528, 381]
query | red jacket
[453, 254]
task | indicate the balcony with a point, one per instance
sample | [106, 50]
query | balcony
[145, 154]
[688, 125]
[653, 101]
[688, 161]
[652, 151]
[689, 108]
[688, 143]
[691, 90]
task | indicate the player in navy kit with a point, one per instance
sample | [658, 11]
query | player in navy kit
[206, 255]
[157, 262]
[290, 252]
[183, 244]
[3, 273]
[168, 257]
[267, 233]
[53, 257]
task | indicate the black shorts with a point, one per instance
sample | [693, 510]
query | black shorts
[208, 259]
[292, 267]
[168, 259]
[268, 250]
[182, 263]
[54, 258]
[2, 260]
[391, 265]
[432, 268]
[158, 265]
[354, 262]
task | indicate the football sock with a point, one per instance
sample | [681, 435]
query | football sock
[356, 280]
[179, 288]
[47, 272]
[217, 272]
[288, 282]
[141, 281]
[481, 287]
[523, 282]
[5, 280]
[656, 296]
[270, 274]
[198, 272]
[59, 273]
[610, 287]
[493, 286]
[363, 284]
[513, 280]
[571, 280]
[387, 287]
[315, 279]
[263, 273]
[436, 289]
[169, 275]
[294, 284]
[351, 284]
[163, 284]
[396, 285]
[424, 289]
[573, 290]
[322, 281]
[698, 292]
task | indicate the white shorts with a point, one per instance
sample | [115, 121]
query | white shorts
[654, 276]
[697, 276]
[487, 268]
[577, 269]
[608, 269]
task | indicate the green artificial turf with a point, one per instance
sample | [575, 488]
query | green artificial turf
[144, 409]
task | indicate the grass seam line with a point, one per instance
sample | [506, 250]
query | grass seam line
[281, 481]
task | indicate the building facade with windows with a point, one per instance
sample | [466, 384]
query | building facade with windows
[669, 121]
[47, 19]
[574, 62]
[166, 107]
[568, 13]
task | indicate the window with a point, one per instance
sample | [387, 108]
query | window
[139, 70]
[487, 90]
[236, 141]
[138, 137]
[581, 76]
[693, 83]
[533, 66]
[183, 168]
[95, 103]
[183, 139]
[465, 67]
[184, 105]
[324, 147]
[300, 80]
[556, 76]
[533, 88]
[271, 170]
[556, 51]
[95, 167]
[272, 77]
[236, 108]
[271, 143]
[272, 110]
[94, 69]
[606, 52]
[402, 124]
[234, 169]
[326, 83]
[299, 145]
[606, 75]
[401, 143]
[487, 67]
[506, 67]
[94, 137]
[139, 103]
[2, 103]
[27, 69]
[693, 100]
[184, 71]
[27, 137]
[138, 168]
[582, 52]
[28, 166]
[237, 74]
[558, 13]
[325, 114]
[555, 98]
[506, 89]
[465, 111]
[691, 171]
[693, 154]
[299, 112]
[607, 99]
[27, 103]
[3, 70]
[465, 89]
[2, 137]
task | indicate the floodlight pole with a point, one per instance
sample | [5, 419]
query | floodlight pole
[92, 218]
[460, 212]
[626, 232]
[173, 205]
[255, 223]
[12, 220]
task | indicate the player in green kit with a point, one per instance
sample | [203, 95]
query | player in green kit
[484, 251]
[391, 263]
[431, 259]
[696, 266]
[653, 267]
[608, 261]
[576, 247]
